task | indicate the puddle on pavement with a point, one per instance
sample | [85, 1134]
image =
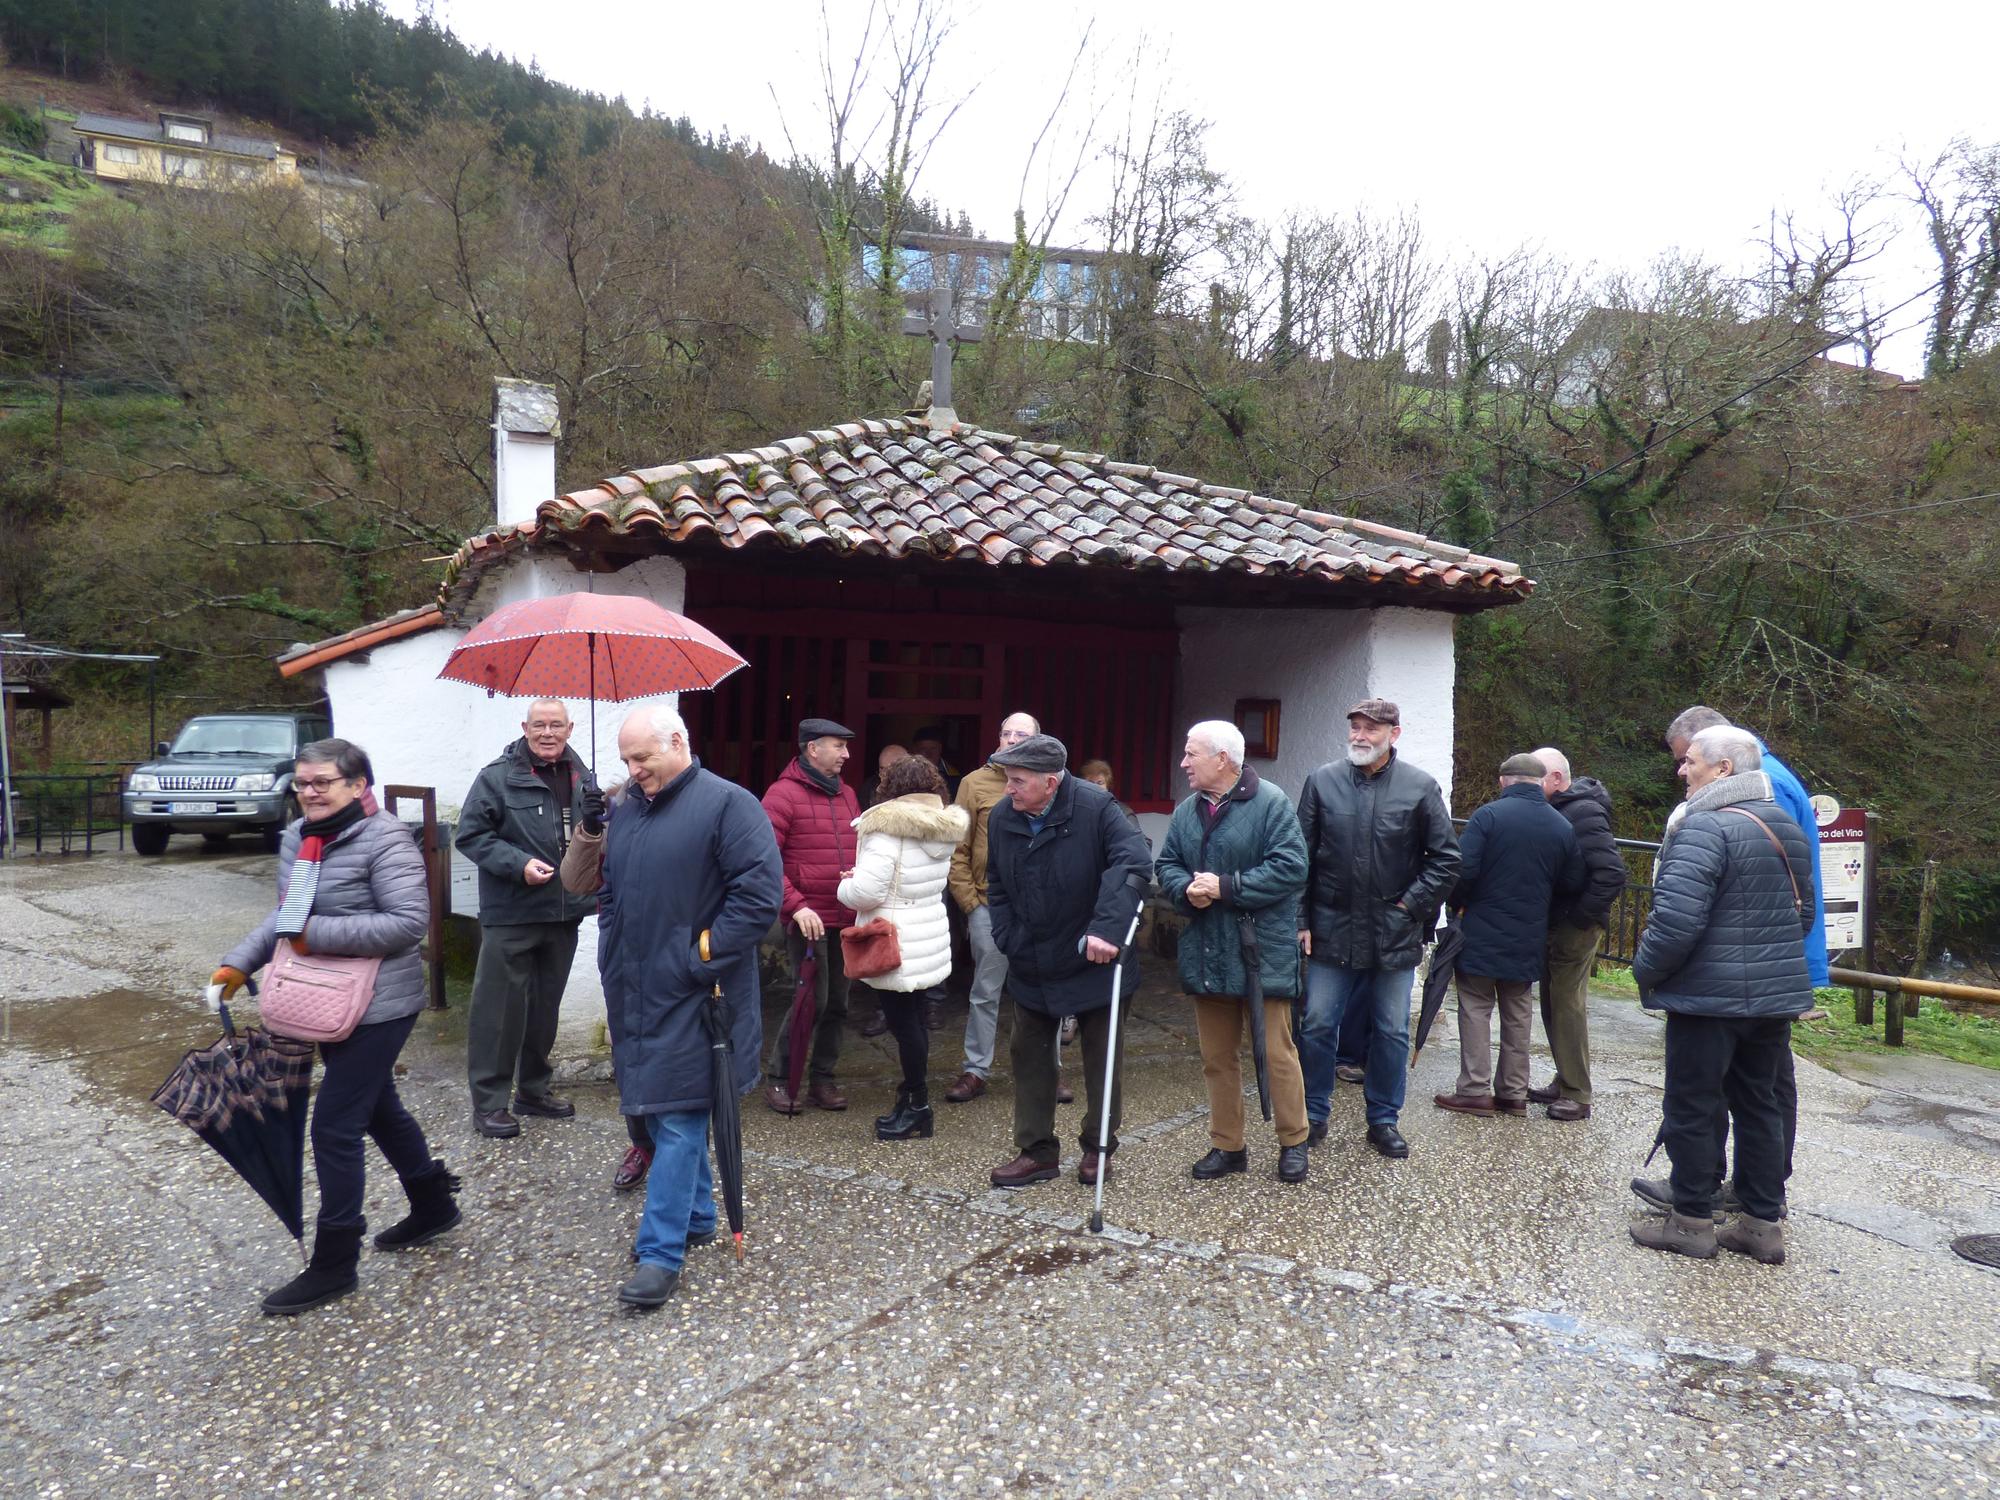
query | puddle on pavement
[123, 1043]
[1932, 1121]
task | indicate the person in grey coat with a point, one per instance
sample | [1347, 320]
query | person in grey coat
[684, 853]
[1724, 956]
[515, 824]
[352, 881]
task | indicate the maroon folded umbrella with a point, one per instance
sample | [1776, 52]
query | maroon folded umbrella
[805, 1011]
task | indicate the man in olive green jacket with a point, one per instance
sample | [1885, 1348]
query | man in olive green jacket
[1235, 847]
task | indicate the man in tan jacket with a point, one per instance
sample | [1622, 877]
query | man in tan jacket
[978, 793]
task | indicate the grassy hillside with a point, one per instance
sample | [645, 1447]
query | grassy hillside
[38, 198]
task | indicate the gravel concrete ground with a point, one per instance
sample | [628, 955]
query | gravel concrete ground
[1471, 1321]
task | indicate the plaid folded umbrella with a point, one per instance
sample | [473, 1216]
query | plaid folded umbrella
[245, 1094]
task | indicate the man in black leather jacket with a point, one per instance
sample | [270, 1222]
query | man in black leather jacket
[1381, 858]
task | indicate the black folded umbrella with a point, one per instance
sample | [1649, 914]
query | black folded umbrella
[1444, 958]
[725, 1119]
[1253, 1002]
[245, 1094]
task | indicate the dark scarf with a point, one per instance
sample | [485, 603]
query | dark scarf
[314, 836]
[828, 784]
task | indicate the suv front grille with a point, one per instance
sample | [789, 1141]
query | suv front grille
[197, 783]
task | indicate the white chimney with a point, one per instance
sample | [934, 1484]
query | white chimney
[526, 425]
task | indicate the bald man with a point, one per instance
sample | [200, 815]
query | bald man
[1576, 927]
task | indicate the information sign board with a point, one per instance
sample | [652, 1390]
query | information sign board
[1843, 873]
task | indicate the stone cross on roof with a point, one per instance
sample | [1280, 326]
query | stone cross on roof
[938, 322]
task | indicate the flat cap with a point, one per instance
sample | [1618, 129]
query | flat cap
[822, 729]
[1381, 710]
[1038, 752]
[1523, 765]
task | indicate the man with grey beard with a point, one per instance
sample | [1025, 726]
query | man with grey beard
[1381, 858]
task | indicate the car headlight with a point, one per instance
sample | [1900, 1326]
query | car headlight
[141, 782]
[262, 781]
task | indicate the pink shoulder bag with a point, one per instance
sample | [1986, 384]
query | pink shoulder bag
[316, 997]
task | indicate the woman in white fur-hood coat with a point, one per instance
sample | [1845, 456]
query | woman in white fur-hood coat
[900, 863]
[900, 860]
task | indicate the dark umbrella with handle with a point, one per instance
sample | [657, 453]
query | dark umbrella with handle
[798, 1034]
[1253, 1001]
[1444, 959]
[245, 1094]
[725, 1121]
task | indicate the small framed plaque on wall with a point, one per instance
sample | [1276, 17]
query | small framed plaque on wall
[1258, 719]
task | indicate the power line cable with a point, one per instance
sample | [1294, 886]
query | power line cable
[1703, 416]
[1763, 531]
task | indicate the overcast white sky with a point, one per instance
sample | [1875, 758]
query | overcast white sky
[1604, 132]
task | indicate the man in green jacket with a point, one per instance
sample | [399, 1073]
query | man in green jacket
[1235, 847]
[515, 825]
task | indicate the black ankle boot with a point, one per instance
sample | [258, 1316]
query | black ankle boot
[330, 1274]
[433, 1210]
[911, 1117]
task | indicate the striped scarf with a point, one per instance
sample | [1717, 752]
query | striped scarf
[313, 839]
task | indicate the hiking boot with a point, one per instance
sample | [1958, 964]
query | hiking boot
[1677, 1233]
[1220, 1163]
[1658, 1194]
[433, 1210]
[329, 1274]
[1734, 1205]
[1760, 1239]
[649, 1287]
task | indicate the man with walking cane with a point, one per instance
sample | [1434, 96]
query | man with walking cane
[1234, 850]
[1065, 872]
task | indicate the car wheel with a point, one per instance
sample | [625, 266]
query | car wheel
[150, 838]
[274, 833]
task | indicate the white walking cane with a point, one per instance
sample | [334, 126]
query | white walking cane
[1110, 1069]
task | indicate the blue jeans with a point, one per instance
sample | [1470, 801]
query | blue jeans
[1386, 994]
[680, 1193]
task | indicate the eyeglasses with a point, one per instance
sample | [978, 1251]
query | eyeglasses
[320, 785]
[547, 726]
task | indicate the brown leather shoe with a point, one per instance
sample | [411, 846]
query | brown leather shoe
[825, 1094]
[1064, 1093]
[780, 1102]
[1023, 1171]
[969, 1087]
[497, 1125]
[1348, 1073]
[548, 1106]
[1086, 1169]
[1510, 1106]
[1569, 1109]
[633, 1169]
[1547, 1095]
[1465, 1104]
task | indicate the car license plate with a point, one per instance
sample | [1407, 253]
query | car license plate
[190, 809]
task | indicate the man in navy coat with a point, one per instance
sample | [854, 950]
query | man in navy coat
[685, 852]
[1519, 856]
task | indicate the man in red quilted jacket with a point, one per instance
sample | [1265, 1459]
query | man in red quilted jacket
[812, 811]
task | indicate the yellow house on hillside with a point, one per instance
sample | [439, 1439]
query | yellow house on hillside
[180, 150]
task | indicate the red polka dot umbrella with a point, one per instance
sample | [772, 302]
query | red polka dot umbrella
[602, 647]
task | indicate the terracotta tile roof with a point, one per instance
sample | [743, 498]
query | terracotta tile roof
[893, 488]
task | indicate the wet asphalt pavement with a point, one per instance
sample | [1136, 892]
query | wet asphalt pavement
[1472, 1321]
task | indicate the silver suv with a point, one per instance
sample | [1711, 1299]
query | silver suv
[223, 774]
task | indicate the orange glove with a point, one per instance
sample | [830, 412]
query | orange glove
[230, 980]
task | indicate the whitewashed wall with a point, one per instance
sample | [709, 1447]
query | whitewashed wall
[420, 731]
[1318, 663]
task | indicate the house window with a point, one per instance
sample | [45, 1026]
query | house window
[124, 156]
[196, 133]
[183, 166]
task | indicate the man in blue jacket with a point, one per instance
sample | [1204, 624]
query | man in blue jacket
[685, 853]
[1518, 856]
